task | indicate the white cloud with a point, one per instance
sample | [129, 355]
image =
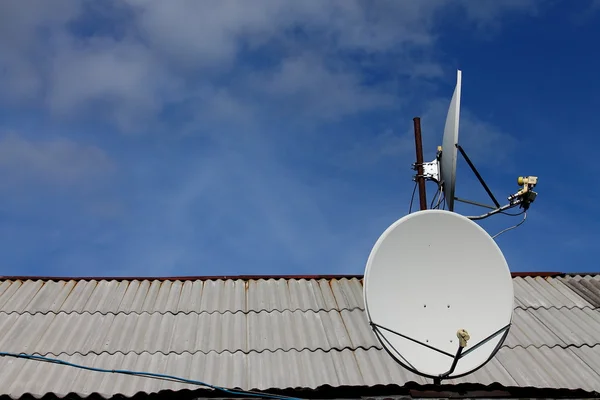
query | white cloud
[487, 11]
[122, 77]
[163, 50]
[375, 150]
[312, 90]
[25, 28]
[208, 33]
[60, 162]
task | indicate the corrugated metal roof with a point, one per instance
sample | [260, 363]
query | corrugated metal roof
[235, 295]
[588, 287]
[266, 333]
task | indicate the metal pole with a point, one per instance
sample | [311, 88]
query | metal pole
[420, 178]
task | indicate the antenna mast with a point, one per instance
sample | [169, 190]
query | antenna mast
[420, 177]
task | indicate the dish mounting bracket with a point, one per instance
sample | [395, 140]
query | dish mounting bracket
[463, 337]
[431, 170]
[523, 198]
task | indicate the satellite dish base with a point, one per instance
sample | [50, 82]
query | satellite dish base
[463, 338]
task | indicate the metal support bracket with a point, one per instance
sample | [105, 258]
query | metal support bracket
[431, 170]
[463, 337]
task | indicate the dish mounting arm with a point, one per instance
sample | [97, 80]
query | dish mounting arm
[463, 338]
[522, 198]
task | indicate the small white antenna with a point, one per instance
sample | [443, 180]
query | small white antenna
[443, 169]
[449, 143]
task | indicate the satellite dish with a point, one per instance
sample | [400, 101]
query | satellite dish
[442, 170]
[435, 277]
[449, 142]
[438, 292]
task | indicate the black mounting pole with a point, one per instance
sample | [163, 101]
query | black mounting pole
[454, 362]
[420, 177]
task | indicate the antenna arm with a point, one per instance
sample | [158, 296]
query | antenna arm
[523, 198]
[474, 203]
[485, 186]
[463, 337]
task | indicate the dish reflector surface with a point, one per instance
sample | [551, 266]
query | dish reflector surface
[448, 167]
[430, 274]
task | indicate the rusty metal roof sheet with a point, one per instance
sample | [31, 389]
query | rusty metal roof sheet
[265, 333]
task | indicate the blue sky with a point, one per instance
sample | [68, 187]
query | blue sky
[271, 137]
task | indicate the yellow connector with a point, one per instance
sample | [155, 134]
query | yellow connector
[527, 180]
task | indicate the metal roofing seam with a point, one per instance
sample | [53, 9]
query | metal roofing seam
[154, 333]
[164, 333]
[119, 352]
[278, 350]
[546, 292]
[195, 312]
[240, 296]
[526, 330]
[574, 327]
[166, 296]
[588, 287]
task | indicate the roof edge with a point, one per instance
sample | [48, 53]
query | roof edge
[541, 274]
[376, 392]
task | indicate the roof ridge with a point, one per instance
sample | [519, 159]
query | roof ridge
[179, 278]
[544, 274]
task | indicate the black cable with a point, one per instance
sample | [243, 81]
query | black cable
[512, 215]
[512, 227]
[435, 196]
[148, 375]
[412, 198]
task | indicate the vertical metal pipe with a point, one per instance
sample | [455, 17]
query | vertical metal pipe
[420, 178]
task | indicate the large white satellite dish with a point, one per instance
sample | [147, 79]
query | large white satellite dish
[449, 142]
[431, 276]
